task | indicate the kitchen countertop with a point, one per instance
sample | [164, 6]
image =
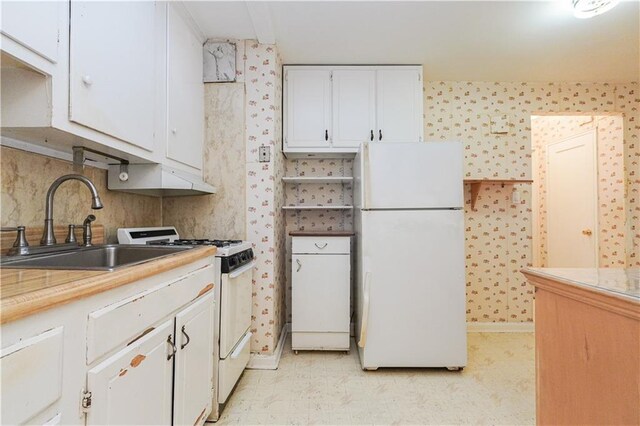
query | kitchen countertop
[321, 233]
[617, 282]
[27, 291]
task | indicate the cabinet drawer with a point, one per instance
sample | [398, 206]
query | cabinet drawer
[126, 320]
[321, 245]
[31, 376]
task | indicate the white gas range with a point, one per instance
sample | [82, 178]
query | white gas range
[234, 266]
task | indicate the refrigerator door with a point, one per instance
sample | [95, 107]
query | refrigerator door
[409, 176]
[411, 289]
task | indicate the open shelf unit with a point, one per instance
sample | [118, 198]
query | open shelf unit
[477, 184]
[317, 179]
[317, 207]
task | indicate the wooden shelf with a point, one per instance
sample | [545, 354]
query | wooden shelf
[317, 207]
[317, 179]
[476, 184]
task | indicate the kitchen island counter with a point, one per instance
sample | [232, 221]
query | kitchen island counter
[24, 292]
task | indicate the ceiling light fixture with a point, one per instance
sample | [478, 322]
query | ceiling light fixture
[590, 8]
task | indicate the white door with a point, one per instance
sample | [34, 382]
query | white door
[354, 107]
[113, 66]
[412, 308]
[193, 389]
[34, 24]
[185, 93]
[572, 203]
[399, 105]
[235, 307]
[134, 386]
[320, 289]
[410, 175]
[308, 108]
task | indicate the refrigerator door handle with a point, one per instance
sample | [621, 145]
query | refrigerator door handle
[365, 310]
[366, 184]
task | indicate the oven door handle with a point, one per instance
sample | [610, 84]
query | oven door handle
[245, 268]
[240, 347]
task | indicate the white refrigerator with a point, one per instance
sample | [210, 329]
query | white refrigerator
[410, 282]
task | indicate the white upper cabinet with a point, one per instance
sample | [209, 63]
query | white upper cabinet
[185, 98]
[354, 107]
[399, 105]
[366, 103]
[307, 117]
[114, 69]
[32, 27]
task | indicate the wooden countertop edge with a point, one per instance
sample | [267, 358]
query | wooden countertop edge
[20, 306]
[321, 233]
[609, 301]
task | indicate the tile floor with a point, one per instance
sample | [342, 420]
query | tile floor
[497, 387]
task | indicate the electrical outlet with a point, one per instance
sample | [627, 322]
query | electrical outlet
[264, 154]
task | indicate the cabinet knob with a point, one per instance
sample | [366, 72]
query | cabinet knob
[174, 131]
[87, 80]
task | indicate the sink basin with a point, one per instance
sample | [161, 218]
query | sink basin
[96, 258]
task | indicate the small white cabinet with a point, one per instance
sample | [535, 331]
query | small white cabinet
[321, 284]
[308, 96]
[365, 103]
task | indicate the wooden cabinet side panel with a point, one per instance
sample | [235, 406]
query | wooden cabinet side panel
[587, 363]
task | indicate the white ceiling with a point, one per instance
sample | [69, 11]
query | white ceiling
[455, 40]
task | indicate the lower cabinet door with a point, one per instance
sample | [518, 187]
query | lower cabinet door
[320, 293]
[134, 385]
[194, 362]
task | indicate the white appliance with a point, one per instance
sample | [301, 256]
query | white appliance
[410, 290]
[234, 268]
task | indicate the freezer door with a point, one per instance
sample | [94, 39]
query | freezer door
[411, 289]
[419, 175]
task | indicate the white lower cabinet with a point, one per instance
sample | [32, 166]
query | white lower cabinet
[193, 388]
[134, 385]
[321, 283]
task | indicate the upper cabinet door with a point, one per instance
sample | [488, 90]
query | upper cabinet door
[194, 362]
[114, 68]
[399, 105]
[34, 24]
[185, 96]
[308, 108]
[354, 107]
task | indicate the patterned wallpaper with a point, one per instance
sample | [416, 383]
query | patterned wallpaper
[611, 183]
[498, 234]
[26, 177]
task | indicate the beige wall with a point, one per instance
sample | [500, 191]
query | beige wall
[610, 175]
[26, 177]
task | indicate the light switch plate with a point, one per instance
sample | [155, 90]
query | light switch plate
[264, 154]
[499, 124]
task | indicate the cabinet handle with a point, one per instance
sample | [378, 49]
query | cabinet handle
[372, 135]
[87, 80]
[326, 135]
[317, 245]
[299, 265]
[380, 135]
[172, 346]
[184, 333]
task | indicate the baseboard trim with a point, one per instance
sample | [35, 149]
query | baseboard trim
[270, 362]
[500, 327]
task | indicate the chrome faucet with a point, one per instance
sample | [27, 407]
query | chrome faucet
[48, 237]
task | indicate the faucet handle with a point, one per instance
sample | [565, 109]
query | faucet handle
[71, 236]
[20, 245]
